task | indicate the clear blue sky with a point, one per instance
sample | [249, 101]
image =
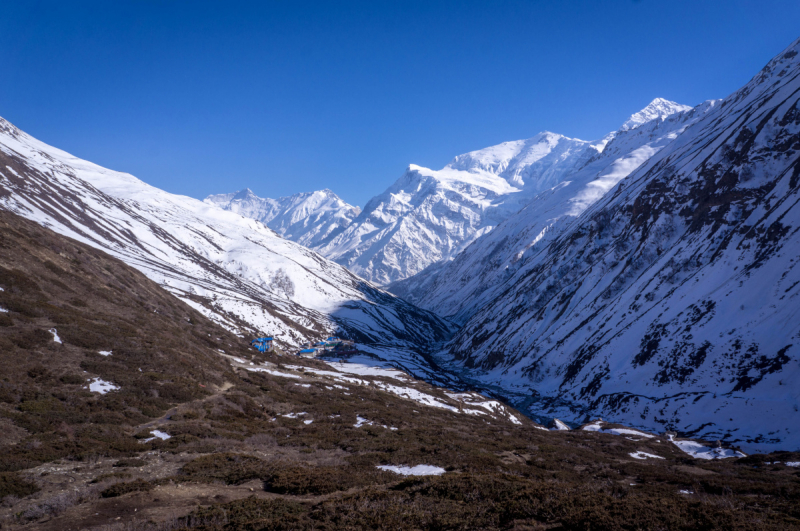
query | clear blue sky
[287, 96]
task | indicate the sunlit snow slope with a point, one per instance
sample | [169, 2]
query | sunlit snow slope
[234, 269]
[674, 300]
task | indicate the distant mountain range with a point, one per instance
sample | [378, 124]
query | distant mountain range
[458, 288]
[429, 216]
[650, 276]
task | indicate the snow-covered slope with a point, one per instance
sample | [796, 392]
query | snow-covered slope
[674, 300]
[305, 218]
[458, 288]
[234, 269]
[428, 216]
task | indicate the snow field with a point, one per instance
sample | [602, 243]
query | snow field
[101, 386]
[419, 470]
[644, 455]
[157, 434]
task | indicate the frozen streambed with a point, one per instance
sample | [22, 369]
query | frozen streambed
[692, 448]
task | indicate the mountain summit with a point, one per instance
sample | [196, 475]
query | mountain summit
[658, 109]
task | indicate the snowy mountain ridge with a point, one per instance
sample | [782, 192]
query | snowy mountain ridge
[658, 109]
[236, 270]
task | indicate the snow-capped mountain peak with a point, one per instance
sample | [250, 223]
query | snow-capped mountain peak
[306, 218]
[520, 162]
[658, 109]
[460, 287]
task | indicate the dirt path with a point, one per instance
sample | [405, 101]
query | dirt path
[166, 417]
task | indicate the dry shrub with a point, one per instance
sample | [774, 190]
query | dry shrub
[138, 485]
[229, 468]
[12, 484]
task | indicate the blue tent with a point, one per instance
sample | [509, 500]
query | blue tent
[308, 351]
[262, 344]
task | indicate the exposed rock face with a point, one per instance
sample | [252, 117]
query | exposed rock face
[674, 299]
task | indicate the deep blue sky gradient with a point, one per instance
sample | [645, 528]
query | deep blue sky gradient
[204, 97]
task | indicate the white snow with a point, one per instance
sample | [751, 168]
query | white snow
[361, 421]
[658, 109]
[353, 367]
[309, 421]
[793, 463]
[644, 455]
[305, 218]
[55, 335]
[157, 434]
[699, 451]
[273, 372]
[597, 427]
[105, 352]
[419, 470]
[559, 426]
[3, 310]
[101, 386]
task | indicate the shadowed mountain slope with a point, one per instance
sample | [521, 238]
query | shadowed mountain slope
[672, 301]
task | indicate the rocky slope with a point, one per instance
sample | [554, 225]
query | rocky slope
[305, 218]
[235, 270]
[458, 288]
[673, 301]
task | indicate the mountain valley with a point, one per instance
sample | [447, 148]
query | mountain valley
[548, 333]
